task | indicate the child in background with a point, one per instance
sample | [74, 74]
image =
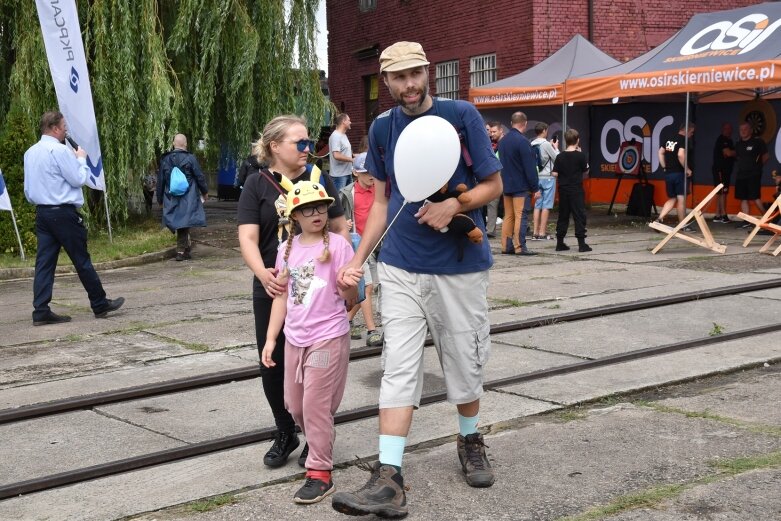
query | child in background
[317, 335]
[570, 168]
[357, 199]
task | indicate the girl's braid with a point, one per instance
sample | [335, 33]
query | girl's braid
[289, 246]
[326, 256]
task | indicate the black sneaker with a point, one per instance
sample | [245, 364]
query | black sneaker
[304, 454]
[688, 229]
[383, 495]
[51, 318]
[477, 469]
[179, 256]
[284, 444]
[314, 490]
[111, 305]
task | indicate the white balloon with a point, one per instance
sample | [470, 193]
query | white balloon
[426, 155]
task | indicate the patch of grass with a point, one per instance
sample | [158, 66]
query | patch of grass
[570, 415]
[207, 505]
[555, 306]
[131, 240]
[736, 466]
[707, 415]
[716, 330]
[610, 400]
[511, 302]
[644, 499]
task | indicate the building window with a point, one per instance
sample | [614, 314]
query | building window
[482, 70]
[447, 79]
[371, 98]
[367, 5]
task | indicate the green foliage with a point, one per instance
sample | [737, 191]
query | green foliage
[15, 138]
[215, 70]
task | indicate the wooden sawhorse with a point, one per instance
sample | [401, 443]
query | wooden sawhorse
[706, 242]
[763, 223]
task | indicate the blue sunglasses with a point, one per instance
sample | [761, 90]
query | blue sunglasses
[303, 144]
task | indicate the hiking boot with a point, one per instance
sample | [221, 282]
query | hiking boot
[383, 495]
[314, 490]
[304, 454]
[284, 444]
[356, 332]
[474, 462]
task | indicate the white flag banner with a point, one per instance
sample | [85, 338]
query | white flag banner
[5, 200]
[65, 52]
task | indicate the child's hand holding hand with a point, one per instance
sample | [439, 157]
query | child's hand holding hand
[351, 277]
[265, 356]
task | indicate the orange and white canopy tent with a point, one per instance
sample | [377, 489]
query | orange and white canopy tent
[719, 51]
[543, 84]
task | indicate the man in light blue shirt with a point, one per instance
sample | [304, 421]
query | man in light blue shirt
[53, 180]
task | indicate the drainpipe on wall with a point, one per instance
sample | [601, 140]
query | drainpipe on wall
[591, 21]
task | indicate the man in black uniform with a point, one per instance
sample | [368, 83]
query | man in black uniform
[723, 162]
[672, 157]
[751, 154]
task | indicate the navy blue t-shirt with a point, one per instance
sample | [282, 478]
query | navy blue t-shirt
[417, 247]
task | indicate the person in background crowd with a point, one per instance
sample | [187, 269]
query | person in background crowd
[53, 177]
[672, 158]
[495, 133]
[570, 167]
[723, 163]
[543, 204]
[520, 183]
[341, 153]
[750, 156]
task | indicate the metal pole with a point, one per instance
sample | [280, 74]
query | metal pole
[18, 237]
[686, 156]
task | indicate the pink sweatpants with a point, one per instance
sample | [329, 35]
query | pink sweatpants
[315, 377]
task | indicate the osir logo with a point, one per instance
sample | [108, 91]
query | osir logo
[74, 80]
[746, 34]
[636, 128]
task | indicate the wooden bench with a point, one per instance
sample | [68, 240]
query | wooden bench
[763, 223]
[706, 241]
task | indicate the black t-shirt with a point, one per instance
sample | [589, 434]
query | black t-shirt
[749, 156]
[256, 206]
[570, 167]
[671, 144]
[720, 163]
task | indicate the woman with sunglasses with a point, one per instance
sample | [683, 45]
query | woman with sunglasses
[284, 145]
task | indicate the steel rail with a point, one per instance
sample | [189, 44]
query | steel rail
[230, 442]
[185, 384]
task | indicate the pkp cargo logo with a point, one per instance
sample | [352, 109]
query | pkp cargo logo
[74, 80]
[731, 38]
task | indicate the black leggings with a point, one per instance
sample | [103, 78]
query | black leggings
[273, 378]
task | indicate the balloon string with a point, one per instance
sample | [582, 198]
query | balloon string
[387, 228]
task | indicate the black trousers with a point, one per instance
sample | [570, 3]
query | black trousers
[572, 201]
[273, 378]
[59, 227]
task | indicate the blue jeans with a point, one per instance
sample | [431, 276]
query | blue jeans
[341, 181]
[59, 227]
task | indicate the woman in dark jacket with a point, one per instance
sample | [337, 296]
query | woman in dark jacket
[284, 146]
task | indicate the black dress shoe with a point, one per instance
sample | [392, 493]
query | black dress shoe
[112, 305]
[527, 253]
[52, 318]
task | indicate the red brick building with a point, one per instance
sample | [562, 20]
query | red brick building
[473, 42]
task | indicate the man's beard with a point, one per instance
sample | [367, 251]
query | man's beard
[413, 107]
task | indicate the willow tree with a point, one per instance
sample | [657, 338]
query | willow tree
[215, 70]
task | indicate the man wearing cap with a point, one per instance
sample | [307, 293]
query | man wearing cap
[425, 285]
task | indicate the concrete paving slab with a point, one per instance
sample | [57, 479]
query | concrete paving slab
[753, 401]
[240, 406]
[155, 488]
[545, 470]
[40, 362]
[753, 495]
[646, 328]
[645, 373]
[109, 380]
[55, 444]
[213, 332]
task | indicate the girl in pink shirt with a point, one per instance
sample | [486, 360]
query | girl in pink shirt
[317, 333]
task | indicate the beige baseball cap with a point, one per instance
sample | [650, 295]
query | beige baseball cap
[401, 56]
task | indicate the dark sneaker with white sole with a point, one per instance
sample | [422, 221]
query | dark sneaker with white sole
[314, 490]
[383, 495]
[477, 469]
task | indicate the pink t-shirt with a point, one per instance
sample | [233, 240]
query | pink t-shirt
[315, 311]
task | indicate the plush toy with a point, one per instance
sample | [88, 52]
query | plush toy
[462, 224]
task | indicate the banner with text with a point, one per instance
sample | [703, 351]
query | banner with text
[65, 52]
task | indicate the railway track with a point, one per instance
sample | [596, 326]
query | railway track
[211, 446]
